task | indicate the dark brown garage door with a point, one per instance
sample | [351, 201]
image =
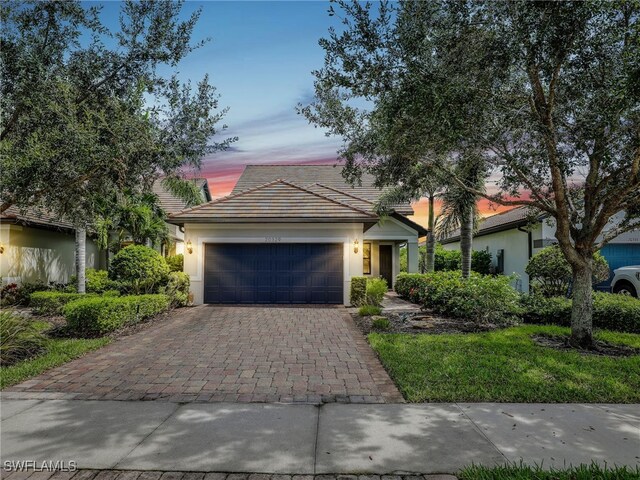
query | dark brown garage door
[273, 273]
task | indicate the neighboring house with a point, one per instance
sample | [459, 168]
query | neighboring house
[35, 246]
[512, 237]
[293, 234]
[172, 204]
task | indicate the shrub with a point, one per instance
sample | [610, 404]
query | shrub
[611, 312]
[99, 315]
[551, 275]
[9, 294]
[177, 289]
[381, 324]
[20, 338]
[445, 260]
[358, 291]
[14, 294]
[409, 285]
[141, 268]
[98, 281]
[52, 303]
[175, 262]
[375, 290]
[368, 310]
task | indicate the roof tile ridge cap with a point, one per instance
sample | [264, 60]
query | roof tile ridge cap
[223, 199]
[344, 193]
[329, 199]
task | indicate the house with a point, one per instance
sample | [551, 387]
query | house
[512, 237]
[37, 246]
[293, 234]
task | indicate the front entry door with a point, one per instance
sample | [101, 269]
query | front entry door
[386, 264]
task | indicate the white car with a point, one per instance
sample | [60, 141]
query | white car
[626, 280]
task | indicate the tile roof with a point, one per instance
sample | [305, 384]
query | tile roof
[170, 203]
[307, 175]
[516, 217]
[34, 217]
[277, 201]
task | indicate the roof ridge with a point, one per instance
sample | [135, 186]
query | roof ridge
[225, 198]
[517, 207]
[342, 192]
[328, 198]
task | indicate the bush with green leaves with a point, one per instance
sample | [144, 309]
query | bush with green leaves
[140, 268]
[369, 310]
[13, 294]
[375, 290]
[52, 303]
[381, 323]
[99, 315]
[358, 291]
[175, 262]
[98, 281]
[550, 273]
[20, 338]
[177, 288]
[610, 312]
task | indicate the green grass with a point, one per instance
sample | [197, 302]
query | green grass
[57, 351]
[506, 366]
[523, 472]
[368, 310]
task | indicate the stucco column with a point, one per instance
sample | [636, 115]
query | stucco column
[412, 257]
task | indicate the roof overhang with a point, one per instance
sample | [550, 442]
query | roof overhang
[410, 223]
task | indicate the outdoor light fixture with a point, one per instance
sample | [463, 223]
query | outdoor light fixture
[355, 246]
[1, 248]
[189, 246]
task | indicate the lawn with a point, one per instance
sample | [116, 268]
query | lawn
[57, 352]
[523, 472]
[506, 366]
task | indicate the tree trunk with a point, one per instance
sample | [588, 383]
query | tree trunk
[81, 258]
[431, 239]
[582, 309]
[466, 242]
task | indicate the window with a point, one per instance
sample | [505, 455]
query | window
[366, 258]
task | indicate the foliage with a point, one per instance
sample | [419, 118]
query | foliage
[140, 268]
[611, 312]
[99, 315]
[375, 290]
[175, 262]
[551, 274]
[369, 310]
[19, 338]
[358, 291]
[85, 119]
[526, 472]
[52, 303]
[57, 352]
[177, 289]
[381, 323]
[506, 365]
[451, 260]
[98, 281]
[14, 294]
[481, 298]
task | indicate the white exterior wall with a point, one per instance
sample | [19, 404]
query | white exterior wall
[32, 254]
[344, 233]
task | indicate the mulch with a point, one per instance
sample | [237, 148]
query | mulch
[423, 323]
[600, 347]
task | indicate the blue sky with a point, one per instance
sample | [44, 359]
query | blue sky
[260, 58]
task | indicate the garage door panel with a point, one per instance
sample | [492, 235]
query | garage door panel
[273, 273]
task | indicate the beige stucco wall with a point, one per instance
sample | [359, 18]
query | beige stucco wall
[32, 254]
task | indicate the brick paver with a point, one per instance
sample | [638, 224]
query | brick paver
[230, 354]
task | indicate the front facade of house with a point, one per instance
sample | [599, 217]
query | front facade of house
[292, 234]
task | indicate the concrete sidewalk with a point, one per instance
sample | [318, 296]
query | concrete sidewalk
[307, 439]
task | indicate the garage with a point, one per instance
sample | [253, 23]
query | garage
[273, 273]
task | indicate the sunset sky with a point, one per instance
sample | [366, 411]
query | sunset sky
[260, 58]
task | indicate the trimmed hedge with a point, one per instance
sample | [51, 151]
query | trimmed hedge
[99, 315]
[98, 281]
[52, 303]
[141, 269]
[610, 312]
[483, 298]
[358, 291]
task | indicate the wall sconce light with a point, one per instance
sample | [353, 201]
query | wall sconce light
[189, 246]
[355, 246]
[1, 248]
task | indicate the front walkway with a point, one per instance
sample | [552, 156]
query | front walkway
[311, 439]
[229, 354]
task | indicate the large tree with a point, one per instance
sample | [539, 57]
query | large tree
[547, 92]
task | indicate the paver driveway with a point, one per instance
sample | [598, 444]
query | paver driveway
[244, 354]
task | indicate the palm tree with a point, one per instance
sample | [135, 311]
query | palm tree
[460, 208]
[81, 258]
